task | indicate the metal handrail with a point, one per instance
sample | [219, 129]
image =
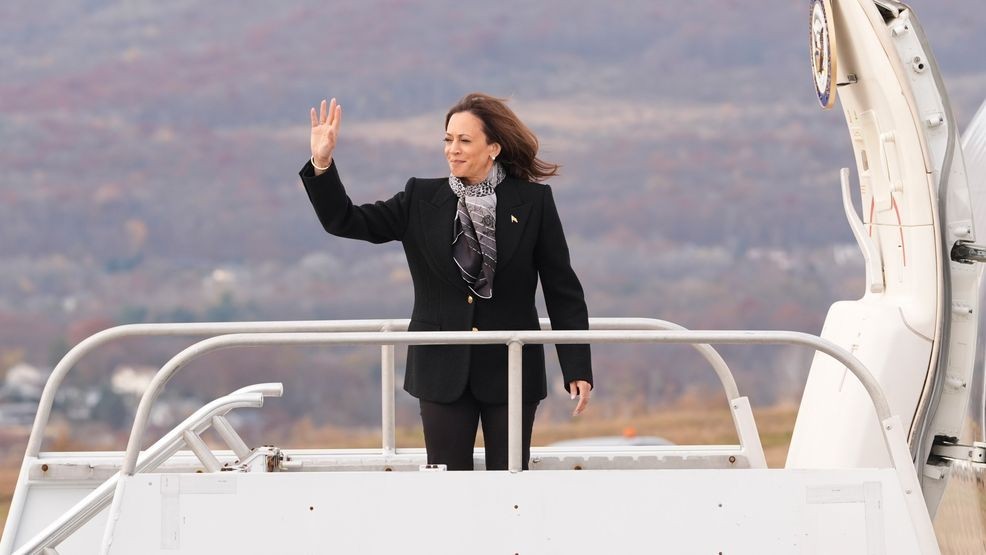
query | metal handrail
[90, 505]
[103, 337]
[514, 340]
[98, 339]
[387, 371]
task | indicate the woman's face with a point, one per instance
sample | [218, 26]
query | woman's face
[469, 155]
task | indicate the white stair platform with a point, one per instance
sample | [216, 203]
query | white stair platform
[734, 511]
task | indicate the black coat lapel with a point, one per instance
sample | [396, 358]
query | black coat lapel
[436, 217]
[511, 219]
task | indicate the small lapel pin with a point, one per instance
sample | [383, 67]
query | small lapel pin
[513, 218]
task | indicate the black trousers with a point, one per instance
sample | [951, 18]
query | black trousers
[450, 432]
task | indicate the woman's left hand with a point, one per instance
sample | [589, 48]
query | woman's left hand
[583, 388]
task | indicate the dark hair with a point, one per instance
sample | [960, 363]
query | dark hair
[518, 144]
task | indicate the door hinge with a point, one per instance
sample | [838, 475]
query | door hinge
[968, 252]
[957, 452]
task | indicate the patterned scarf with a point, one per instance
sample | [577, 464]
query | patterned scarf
[474, 239]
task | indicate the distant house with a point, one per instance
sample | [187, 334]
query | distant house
[20, 393]
[130, 383]
[23, 382]
[169, 412]
[132, 380]
[17, 414]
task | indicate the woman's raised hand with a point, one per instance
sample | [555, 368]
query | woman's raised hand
[325, 131]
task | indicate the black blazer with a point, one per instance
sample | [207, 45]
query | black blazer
[529, 243]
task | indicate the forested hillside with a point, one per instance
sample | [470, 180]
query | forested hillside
[149, 158]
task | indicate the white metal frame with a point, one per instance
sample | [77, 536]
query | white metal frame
[617, 332]
[73, 519]
[61, 370]
[893, 433]
[101, 338]
[514, 341]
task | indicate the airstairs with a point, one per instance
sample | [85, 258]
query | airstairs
[179, 495]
